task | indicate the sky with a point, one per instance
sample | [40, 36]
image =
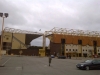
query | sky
[33, 15]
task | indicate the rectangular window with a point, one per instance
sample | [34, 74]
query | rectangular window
[94, 43]
[69, 49]
[80, 42]
[62, 41]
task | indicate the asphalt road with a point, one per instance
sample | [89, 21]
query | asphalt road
[39, 66]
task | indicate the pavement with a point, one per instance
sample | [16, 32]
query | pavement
[31, 65]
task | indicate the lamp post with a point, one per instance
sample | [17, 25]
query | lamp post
[3, 15]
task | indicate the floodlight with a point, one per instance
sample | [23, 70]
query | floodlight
[6, 14]
[1, 14]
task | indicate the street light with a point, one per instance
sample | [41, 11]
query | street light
[3, 15]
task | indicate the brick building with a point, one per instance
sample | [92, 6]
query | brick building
[74, 42]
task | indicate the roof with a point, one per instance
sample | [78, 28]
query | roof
[12, 30]
[74, 32]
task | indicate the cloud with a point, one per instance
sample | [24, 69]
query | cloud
[39, 42]
[34, 15]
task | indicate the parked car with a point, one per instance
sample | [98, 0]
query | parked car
[89, 64]
[61, 57]
[52, 56]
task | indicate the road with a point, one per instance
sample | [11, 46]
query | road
[30, 65]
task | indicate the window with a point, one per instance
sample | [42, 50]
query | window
[62, 41]
[69, 49]
[88, 61]
[7, 38]
[73, 49]
[80, 42]
[66, 49]
[94, 43]
[96, 61]
[76, 49]
[98, 50]
[98, 53]
[86, 50]
[83, 49]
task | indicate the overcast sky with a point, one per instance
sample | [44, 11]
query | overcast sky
[33, 15]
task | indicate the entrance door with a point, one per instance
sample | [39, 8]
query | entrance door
[84, 54]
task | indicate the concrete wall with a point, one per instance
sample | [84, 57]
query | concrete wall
[7, 37]
[3, 52]
[24, 40]
[71, 48]
[85, 49]
[16, 44]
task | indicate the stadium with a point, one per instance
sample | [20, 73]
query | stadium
[63, 41]
[16, 41]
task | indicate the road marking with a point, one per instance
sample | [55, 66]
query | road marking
[6, 62]
[18, 68]
[45, 65]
